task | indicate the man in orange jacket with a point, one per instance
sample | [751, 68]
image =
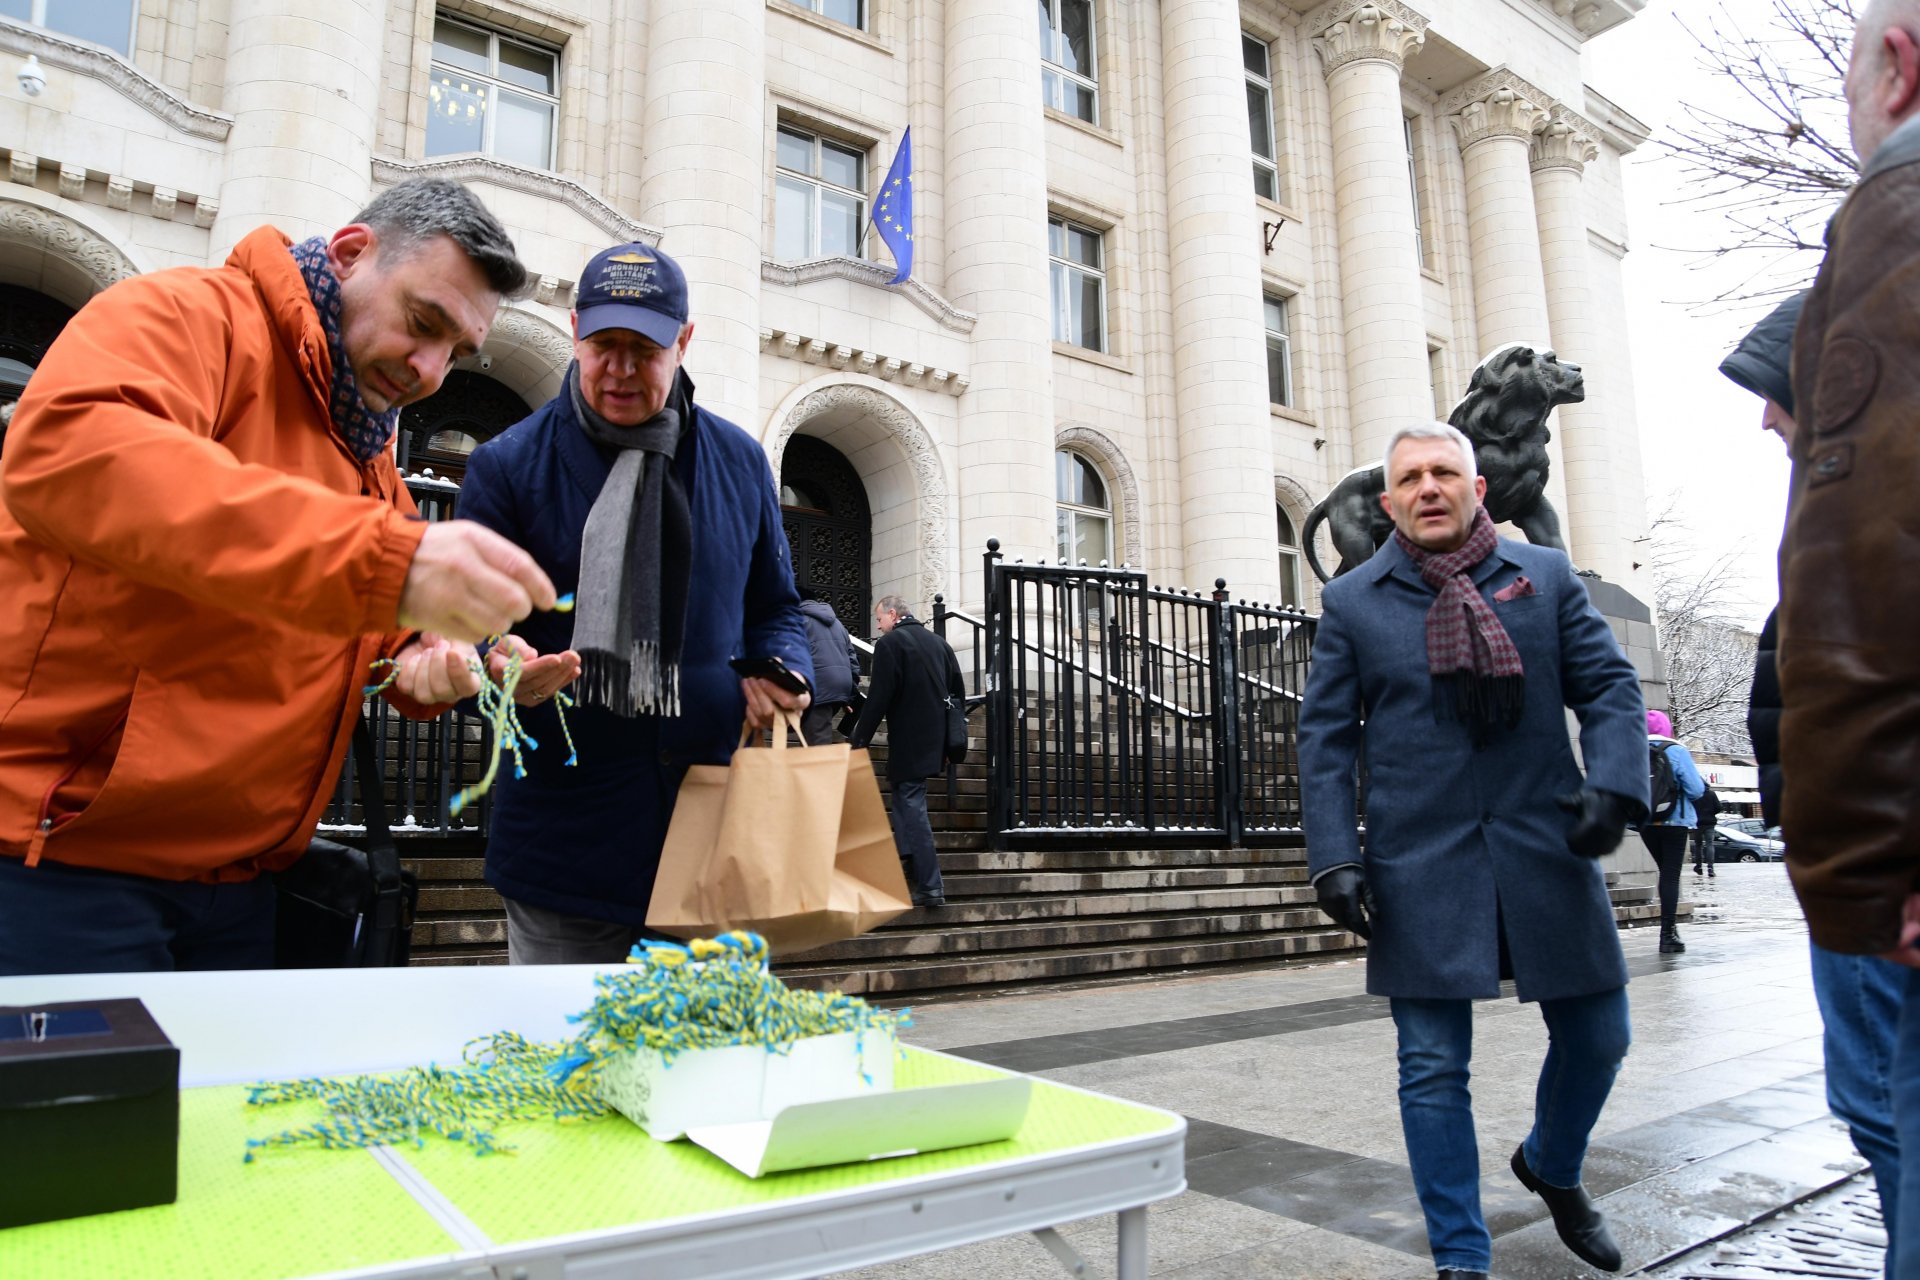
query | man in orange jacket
[204, 546]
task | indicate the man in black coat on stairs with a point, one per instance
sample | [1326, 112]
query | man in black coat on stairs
[916, 683]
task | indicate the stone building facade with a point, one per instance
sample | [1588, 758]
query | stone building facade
[1179, 265]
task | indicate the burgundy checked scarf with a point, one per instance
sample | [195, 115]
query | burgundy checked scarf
[1477, 675]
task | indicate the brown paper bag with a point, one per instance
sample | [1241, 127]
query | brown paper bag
[792, 843]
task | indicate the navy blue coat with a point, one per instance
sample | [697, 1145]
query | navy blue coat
[1459, 839]
[586, 840]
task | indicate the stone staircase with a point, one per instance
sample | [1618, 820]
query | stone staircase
[1016, 918]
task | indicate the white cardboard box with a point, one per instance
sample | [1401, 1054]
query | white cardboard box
[741, 1084]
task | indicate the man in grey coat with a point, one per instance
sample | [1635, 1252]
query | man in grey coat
[1445, 665]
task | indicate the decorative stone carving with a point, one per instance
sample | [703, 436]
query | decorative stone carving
[535, 335]
[1357, 30]
[119, 192]
[165, 200]
[67, 239]
[914, 442]
[1565, 141]
[205, 210]
[860, 271]
[23, 167]
[1498, 104]
[548, 186]
[73, 181]
[129, 81]
[1111, 460]
[837, 355]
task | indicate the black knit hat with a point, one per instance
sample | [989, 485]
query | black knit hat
[1763, 362]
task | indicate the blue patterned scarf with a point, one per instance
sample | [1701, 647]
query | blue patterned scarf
[365, 431]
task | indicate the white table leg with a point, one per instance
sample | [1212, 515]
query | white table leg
[1133, 1244]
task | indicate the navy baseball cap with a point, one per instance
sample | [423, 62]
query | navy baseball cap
[632, 286]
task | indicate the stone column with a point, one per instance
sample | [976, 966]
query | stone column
[1220, 383]
[1363, 47]
[996, 207]
[1596, 536]
[701, 183]
[302, 86]
[1495, 117]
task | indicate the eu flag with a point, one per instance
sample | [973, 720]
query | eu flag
[893, 212]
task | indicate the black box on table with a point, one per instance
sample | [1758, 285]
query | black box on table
[89, 1110]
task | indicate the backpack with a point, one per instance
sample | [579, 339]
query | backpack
[1663, 789]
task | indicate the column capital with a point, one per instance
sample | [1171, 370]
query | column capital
[1498, 104]
[1566, 141]
[1358, 30]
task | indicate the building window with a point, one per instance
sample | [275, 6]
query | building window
[492, 94]
[1423, 242]
[819, 203]
[1279, 352]
[1289, 540]
[1069, 80]
[104, 22]
[1085, 516]
[850, 12]
[1079, 285]
[1260, 119]
[1436, 374]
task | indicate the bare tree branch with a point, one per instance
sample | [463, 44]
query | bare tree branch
[1769, 152]
[1709, 655]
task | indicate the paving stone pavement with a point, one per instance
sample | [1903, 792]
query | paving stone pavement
[1295, 1162]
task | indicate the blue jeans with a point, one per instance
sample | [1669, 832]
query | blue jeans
[1860, 999]
[60, 919]
[913, 837]
[1587, 1039]
[1906, 1121]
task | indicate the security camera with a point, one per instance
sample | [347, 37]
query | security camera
[32, 78]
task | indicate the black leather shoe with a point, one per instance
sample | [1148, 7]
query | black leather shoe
[1670, 944]
[1451, 1274]
[1582, 1227]
[926, 901]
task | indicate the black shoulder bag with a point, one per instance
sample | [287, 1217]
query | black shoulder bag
[340, 908]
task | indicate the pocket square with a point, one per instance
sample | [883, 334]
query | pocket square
[1518, 589]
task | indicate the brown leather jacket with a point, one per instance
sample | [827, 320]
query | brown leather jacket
[1850, 569]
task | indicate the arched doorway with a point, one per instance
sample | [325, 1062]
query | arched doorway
[29, 322]
[468, 410]
[829, 529]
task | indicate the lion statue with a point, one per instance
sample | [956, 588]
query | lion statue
[1504, 413]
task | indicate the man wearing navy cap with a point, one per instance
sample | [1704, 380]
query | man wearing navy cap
[632, 496]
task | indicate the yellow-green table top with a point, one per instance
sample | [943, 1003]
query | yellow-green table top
[307, 1212]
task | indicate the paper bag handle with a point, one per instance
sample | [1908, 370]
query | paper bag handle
[788, 720]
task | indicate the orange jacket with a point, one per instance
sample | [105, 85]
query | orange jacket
[195, 574]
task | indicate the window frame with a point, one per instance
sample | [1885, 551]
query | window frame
[819, 139]
[818, 8]
[1052, 70]
[1291, 554]
[1060, 269]
[494, 83]
[1269, 164]
[1077, 511]
[1284, 335]
[37, 17]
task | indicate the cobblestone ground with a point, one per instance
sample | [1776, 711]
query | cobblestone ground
[1834, 1236]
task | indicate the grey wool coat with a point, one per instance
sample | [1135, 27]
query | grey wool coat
[1460, 841]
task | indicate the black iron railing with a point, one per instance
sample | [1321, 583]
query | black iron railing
[423, 764]
[1124, 713]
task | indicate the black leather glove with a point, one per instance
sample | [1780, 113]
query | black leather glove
[1600, 818]
[1347, 898]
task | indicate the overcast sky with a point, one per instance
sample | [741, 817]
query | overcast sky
[1700, 433]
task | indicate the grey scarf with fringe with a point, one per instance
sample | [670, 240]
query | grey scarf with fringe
[634, 558]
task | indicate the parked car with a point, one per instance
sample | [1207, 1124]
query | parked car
[1752, 826]
[1730, 844]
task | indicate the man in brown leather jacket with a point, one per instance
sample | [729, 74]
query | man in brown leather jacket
[1850, 562]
